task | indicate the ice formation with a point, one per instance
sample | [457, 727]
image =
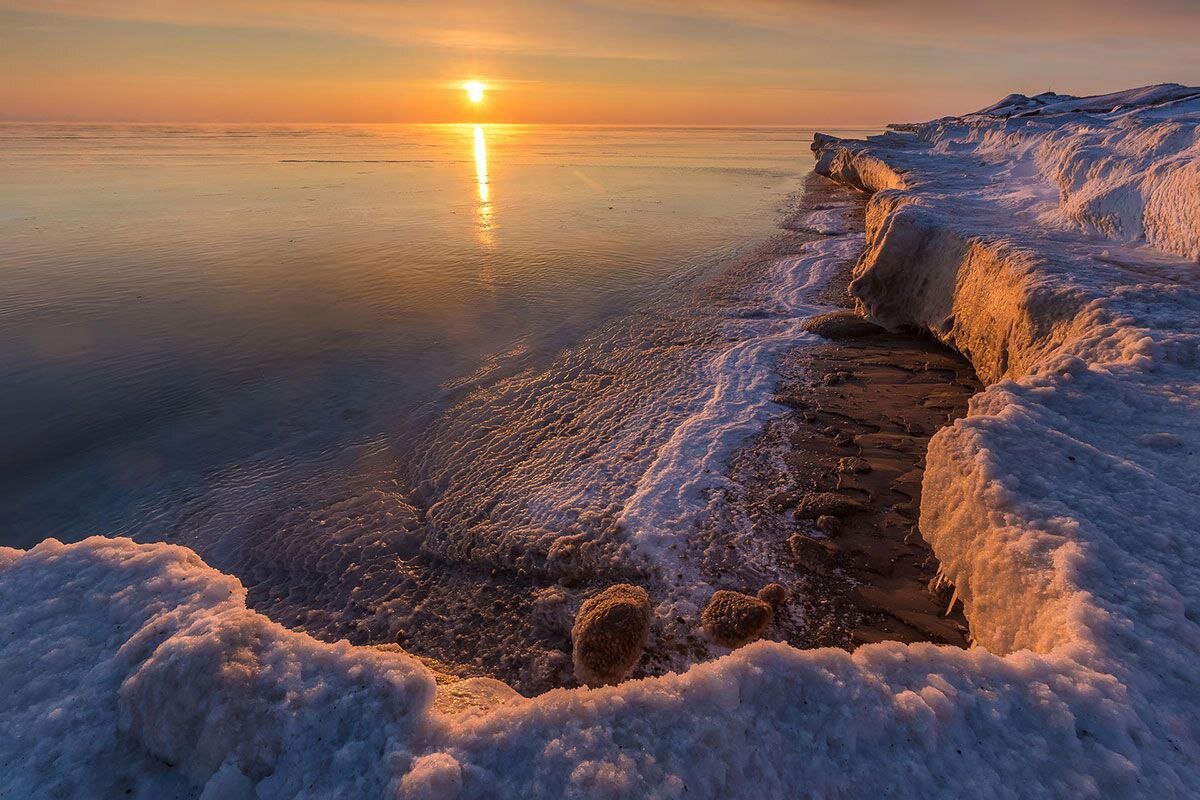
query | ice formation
[734, 619]
[1053, 240]
[609, 634]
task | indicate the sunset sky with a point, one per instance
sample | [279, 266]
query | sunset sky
[609, 61]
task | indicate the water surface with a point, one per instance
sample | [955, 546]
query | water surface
[181, 300]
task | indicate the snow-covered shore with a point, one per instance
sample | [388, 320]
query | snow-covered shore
[1051, 240]
[1055, 245]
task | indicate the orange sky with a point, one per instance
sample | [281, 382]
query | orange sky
[606, 61]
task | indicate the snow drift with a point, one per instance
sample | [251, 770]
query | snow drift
[1051, 241]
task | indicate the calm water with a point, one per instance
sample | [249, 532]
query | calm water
[180, 300]
[393, 378]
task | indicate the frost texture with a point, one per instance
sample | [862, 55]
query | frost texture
[136, 670]
[1053, 241]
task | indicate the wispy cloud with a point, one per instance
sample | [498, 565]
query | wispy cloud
[893, 58]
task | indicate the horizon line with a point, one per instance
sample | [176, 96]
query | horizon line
[844, 126]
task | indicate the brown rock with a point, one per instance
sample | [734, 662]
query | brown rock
[829, 525]
[610, 633]
[842, 325]
[811, 554]
[782, 501]
[819, 504]
[733, 619]
[857, 466]
[773, 595]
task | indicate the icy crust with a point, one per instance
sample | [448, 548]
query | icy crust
[136, 670]
[1126, 165]
[1049, 103]
[1063, 506]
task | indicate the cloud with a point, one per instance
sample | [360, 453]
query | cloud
[668, 29]
[940, 20]
[526, 27]
[902, 57]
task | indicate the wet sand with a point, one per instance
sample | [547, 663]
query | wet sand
[867, 406]
[849, 457]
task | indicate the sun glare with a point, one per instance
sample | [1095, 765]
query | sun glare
[474, 91]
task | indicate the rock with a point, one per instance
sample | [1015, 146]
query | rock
[829, 525]
[811, 554]
[610, 633]
[782, 501]
[818, 504]
[855, 465]
[733, 619]
[843, 439]
[773, 595]
[842, 325]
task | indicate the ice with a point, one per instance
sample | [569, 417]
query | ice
[669, 495]
[136, 667]
[1051, 103]
[1057, 251]
[1061, 507]
[136, 670]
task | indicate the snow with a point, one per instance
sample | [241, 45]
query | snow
[1057, 251]
[1050, 103]
[135, 666]
[1062, 507]
[136, 670]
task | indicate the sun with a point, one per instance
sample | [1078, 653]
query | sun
[474, 91]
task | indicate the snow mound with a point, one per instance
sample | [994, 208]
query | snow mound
[1057, 251]
[136, 670]
[1127, 170]
[1020, 104]
[1047, 103]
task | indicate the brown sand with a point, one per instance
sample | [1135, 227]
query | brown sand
[867, 407]
[866, 403]
[867, 582]
[831, 491]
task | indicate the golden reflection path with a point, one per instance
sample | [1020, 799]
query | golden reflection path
[484, 224]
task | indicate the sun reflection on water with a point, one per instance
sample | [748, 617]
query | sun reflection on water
[484, 225]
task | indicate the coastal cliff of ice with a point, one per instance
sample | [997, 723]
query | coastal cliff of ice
[1053, 241]
[1055, 244]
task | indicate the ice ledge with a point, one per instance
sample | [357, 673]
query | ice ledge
[1063, 505]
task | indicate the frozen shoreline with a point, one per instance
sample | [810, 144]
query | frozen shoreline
[1062, 507]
